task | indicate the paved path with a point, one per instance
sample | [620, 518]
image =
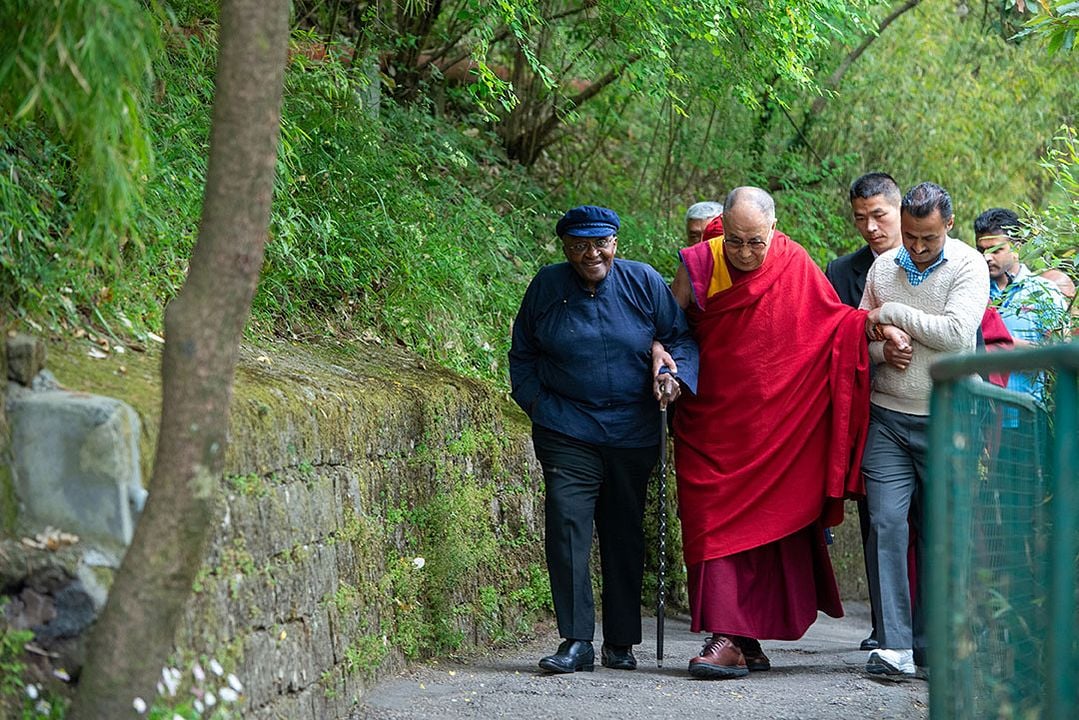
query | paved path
[819, 676]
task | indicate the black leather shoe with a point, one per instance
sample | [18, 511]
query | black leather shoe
[870, 643]
[572, 655]
[618, 657]
[752, 651]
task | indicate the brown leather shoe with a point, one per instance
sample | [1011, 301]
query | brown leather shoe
[755, 658]
[720, 658]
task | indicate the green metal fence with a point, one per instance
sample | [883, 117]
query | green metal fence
[1003, 535]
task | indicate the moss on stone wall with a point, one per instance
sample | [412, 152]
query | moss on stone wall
[374, 510]
[8, 503]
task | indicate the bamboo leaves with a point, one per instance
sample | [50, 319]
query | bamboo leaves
[81, 67]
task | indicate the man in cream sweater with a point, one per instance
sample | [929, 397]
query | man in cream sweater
[936, 289]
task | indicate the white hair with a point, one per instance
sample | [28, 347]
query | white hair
[704, 210]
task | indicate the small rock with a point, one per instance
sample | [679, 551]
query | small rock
[74, 613]
[25, 358]
[44, 381]
[29, 609]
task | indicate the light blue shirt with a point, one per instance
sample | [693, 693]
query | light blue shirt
[914, 275]
[1031, 308]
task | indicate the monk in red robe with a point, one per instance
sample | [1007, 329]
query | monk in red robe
[771, 444]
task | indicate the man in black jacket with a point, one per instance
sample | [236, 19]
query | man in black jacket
[874, 201]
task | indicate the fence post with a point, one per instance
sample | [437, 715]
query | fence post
[1060, 650]
[938, 555]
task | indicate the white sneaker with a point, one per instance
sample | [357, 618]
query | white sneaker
[891, 662]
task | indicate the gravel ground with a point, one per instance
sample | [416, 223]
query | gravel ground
[819, 676]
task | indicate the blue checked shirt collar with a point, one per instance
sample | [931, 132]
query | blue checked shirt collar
[914, 275]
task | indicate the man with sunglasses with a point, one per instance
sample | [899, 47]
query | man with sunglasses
[580, 367]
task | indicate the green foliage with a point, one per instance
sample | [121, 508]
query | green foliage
[1052, 235]
[11, 665]
[17, 698]
[250, 484]
[535, 596]
[1004, 102]
[450, 564]
[410, 230]
[936, 96]
[404, 229]
[34, 215]
[1056, 23]
[79, 68]
[455, 536]
[365, 655]
[1053, 238]
[393, 227]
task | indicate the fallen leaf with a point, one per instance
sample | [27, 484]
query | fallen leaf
[97, 354]
[52, 539]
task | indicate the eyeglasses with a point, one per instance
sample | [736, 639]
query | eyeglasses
[582, 246]
[754, 245]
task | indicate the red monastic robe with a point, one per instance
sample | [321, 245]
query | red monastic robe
[772, 441]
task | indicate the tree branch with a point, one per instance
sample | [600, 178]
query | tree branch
[499, 37]
[595, 88]
[836, 77]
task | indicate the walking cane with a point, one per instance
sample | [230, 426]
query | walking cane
[661, 600]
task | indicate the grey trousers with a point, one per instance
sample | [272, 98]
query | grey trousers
[894, 465]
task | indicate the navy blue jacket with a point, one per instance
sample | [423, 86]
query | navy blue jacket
[581, 361]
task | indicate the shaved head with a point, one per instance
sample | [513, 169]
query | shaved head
[750, 195]
[749, 223]
[1062, 281]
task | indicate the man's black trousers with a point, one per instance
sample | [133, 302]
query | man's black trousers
[585, 483]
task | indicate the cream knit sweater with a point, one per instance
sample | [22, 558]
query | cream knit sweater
[941, 315]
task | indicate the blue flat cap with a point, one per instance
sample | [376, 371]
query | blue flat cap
[588, 221]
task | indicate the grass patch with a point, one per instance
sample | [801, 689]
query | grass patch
[403, 229]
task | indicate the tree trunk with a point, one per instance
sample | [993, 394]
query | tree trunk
[203, 325]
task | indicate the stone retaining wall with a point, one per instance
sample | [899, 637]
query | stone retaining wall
[374, 510]
[7, 489]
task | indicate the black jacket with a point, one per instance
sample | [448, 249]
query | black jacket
[847, 275]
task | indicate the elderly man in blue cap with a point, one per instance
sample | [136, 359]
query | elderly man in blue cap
[580, 367]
